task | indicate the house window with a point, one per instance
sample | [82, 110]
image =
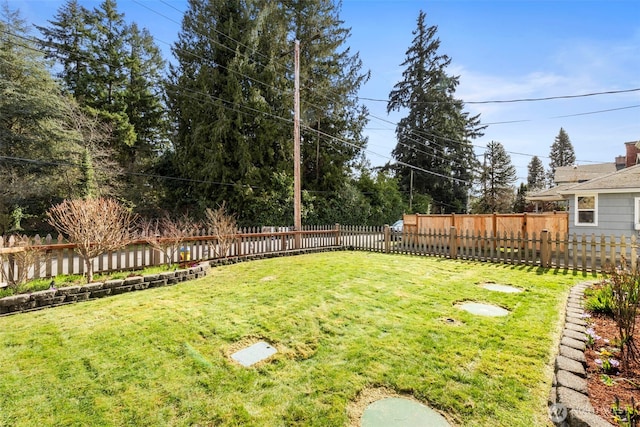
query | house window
[586, 210]
[636, 213]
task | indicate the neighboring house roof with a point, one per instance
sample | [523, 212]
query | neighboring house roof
[581, 173]
[566, 177]
[623, 181]
[549, 194]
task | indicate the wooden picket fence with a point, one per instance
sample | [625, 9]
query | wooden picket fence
[52, 257]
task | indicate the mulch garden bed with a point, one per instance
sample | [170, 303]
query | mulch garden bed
[623, 384]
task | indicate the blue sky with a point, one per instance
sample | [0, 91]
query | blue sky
[502, 50]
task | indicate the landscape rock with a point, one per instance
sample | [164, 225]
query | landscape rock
[574, 400]
[572, 381]
[570, 365]
[134, 280]
[576, 320]
[580, 336]
[586, 419]
[572, 353]
[570, 342]
[579, 328]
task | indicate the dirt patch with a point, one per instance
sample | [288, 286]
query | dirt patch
[450, 321]
[624, 384]
[300, 351]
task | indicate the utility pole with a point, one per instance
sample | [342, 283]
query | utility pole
[411, 192]
[297, 214]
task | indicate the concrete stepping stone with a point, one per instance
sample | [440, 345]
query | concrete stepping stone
[481, 309]
[401, 412]
[501, 288]
[254, 353]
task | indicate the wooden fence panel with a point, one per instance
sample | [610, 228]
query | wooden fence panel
[517, 247]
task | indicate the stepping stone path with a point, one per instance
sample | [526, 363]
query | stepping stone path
[401, 412]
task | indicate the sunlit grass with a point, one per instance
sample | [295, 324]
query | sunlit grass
[342, 322]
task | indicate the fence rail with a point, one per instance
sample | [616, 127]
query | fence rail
[584, 253]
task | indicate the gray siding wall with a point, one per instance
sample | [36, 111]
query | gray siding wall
[615, 216]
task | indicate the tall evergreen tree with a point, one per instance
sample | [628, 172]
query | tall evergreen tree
[231, 93]
[146, 113]
[143, 94]
[561, 154]
[114, 71]
[34, 136]
[331, 75]
[520, 203]
[536, 177]
[67, 41]
[226, 94]
[435, 135]
[107, 72]
[496, 179]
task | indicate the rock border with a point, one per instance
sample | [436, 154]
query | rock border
[569, 403]
[55, 297]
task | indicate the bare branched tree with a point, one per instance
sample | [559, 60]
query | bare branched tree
[224, 227]
[94, 137]
[94, 225]
[168, 234]
[17, 260]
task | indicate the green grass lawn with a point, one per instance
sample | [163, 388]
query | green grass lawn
[343, 322]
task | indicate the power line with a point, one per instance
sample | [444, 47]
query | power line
[208, 38]
[416, 168]
[64, 163]
[596, 112]
[505, 101]
[234, 107]
[306, 102]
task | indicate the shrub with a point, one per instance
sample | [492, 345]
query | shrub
[600, 300]
[94, 225]
[625, 288]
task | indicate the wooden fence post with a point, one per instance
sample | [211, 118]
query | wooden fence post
[338, 237]
[387, 239]
[453, 243]
[545, 249]
[494, 231]
[238, 244]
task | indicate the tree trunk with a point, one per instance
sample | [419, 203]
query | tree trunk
[89, 268]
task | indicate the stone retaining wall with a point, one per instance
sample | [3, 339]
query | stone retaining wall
[569, 398]
[55, 297]
[67, 295]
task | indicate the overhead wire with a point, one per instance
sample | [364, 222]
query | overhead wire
[506, 101]
[372, 99]
[66, 163]
[363, 98]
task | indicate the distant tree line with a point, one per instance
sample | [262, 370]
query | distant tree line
[89, 108]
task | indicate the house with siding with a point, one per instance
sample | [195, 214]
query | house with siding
[601, 198]
[609, 204]
[566, 177]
